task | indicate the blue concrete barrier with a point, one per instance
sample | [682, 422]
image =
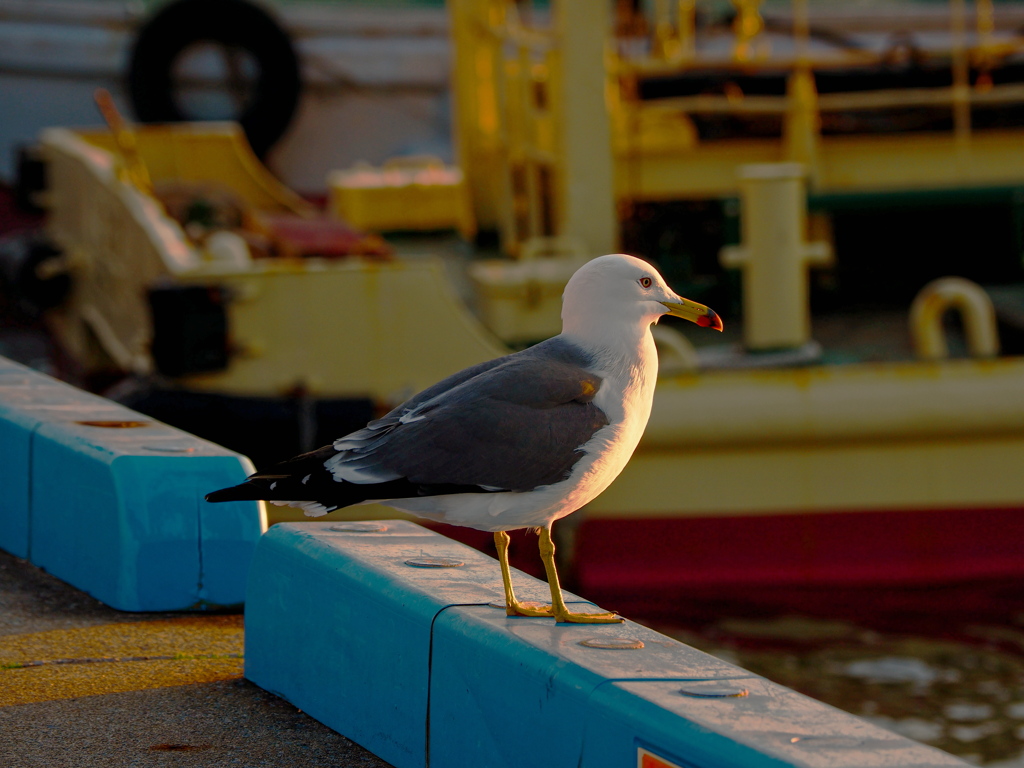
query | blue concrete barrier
[112, 502]
[27, 400]
[394, 636]
[339, 623]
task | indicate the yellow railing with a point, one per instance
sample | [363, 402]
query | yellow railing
[538, 121]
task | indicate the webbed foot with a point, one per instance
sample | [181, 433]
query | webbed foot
[528, 609]
[588, 618]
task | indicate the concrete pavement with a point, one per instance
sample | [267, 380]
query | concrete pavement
[83, 685]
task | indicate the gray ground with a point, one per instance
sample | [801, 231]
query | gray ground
[227, 722]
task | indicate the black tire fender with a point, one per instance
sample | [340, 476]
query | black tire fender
[231, 23]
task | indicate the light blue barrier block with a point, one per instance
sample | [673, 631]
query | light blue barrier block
[119, 513]
[228, 531]
[16, 428]
[10, 366]
[770, 726]
[415, 663]
[28, 399]
[499, 682]
[339, 624]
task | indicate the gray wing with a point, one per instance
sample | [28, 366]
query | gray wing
[515, 424]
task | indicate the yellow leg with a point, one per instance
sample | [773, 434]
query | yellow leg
[512, 606]
[558, 607]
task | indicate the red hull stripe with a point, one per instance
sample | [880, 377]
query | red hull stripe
[844, 549]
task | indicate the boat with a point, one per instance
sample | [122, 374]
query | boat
[772, 465]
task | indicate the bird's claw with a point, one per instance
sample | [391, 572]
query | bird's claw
[517, 608]
[588, 618]
[540, 610]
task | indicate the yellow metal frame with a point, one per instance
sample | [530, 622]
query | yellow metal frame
[532, 129]
[604, 147]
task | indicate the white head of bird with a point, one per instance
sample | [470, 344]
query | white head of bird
[618, 297]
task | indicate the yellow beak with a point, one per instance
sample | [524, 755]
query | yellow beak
[703, 316]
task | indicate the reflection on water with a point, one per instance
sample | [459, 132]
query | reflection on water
[962, 692]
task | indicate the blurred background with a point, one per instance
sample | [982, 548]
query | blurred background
[267, 222]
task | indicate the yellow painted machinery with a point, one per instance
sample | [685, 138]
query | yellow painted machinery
[331, 327]
[568, 119]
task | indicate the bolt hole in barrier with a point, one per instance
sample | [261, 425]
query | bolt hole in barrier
[114, 424]
[613, 643]
[421, 665]
[434, 562]
[359, 528]
[112, 503]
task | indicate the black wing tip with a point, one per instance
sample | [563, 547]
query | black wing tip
[234, 493]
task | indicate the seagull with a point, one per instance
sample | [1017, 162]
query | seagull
[516, 442]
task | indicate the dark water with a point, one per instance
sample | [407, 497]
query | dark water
[955, 683]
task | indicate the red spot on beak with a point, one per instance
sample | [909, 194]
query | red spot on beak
[710, 320]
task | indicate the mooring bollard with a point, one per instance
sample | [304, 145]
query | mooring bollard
[774, 256]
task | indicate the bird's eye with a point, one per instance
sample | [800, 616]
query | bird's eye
[645, 282]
